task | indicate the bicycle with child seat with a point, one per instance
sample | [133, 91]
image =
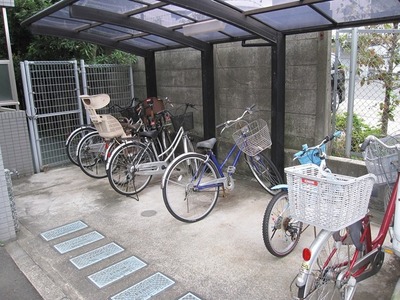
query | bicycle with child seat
[281, 232]
[95, 147]
[133, 164]
[192, 182]
[128, 114]
[341, 257]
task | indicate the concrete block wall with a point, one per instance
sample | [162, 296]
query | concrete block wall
[15, 142]
[243, 77]
[7, 229]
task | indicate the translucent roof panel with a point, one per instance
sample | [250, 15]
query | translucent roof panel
[162, 17]
[162, 41]
[189, 14]
[287, 19]
[346, 11]
[143, 26]
[144, 43]
[117, 6]
[246, 5]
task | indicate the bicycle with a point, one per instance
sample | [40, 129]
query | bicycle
[128, 113]
[95, 147]
[337, 260]
[191, 183]
[133, 164]
[281, 232]
[72, 141]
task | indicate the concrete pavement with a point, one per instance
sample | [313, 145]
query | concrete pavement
[220, 257]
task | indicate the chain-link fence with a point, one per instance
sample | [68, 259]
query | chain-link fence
[370, 60]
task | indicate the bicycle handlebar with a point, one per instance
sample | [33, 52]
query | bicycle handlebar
[248, 110]
[373, 138]
[325, 140]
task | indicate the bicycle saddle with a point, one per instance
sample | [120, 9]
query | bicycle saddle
[150, 134]
[207, 144]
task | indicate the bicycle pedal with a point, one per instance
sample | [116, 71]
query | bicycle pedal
[231, 169]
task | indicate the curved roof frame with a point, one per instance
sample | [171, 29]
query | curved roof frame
[152, 25]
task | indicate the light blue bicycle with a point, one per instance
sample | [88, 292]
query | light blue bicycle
[281, 232]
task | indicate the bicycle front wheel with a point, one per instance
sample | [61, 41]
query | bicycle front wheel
[265, 172]
[188, 189]
[280, 232]
[123, 166]
[72, 142]
[91, 155]
[331, 256]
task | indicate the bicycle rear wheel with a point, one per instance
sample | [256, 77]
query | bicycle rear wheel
[265, 172]
[71, 144]
[280, 232]
[122, 168]
[329, 259]
[184, 186]
[91, 155]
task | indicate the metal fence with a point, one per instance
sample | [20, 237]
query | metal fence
[53, 107]
[370, 59]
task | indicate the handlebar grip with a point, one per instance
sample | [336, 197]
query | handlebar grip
[365, 144]
[250, 109]
[220, 125]
[330, 137]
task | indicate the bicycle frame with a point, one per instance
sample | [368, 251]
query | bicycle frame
[223, 180]
[158, 167]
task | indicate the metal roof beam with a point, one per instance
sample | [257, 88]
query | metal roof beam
[48, 11]
[282, 6]
[102, 16]
[231, 16]
[87, 37]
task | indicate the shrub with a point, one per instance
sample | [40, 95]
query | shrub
[360, 131]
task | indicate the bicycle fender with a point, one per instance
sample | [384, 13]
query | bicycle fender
[280, 187]
[315, 248]
[117, 149]
[79, 129]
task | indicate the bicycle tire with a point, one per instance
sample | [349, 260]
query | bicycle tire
[181, 198]
[281, 234]
[71, 144]
[265, 172]
[330, 258]
[91, 155]
[121, 171]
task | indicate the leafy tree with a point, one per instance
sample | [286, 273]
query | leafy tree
[26, 46]
[380, 54]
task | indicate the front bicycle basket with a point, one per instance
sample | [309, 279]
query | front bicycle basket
[380, 160]
[330, 203]
[253, 138]
[185, 120]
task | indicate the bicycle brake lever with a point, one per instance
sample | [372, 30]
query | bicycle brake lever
[250, 109]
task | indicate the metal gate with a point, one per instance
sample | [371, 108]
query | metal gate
[53, 107]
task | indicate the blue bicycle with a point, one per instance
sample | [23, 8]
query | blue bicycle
[281, 232]
[192, 182]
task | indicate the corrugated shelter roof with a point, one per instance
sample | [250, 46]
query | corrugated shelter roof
[144, 26]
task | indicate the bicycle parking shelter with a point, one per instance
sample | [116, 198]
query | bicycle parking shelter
[143, 27]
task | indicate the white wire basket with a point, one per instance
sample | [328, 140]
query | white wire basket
[253, 138]
[381, 161]
[331, 202]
